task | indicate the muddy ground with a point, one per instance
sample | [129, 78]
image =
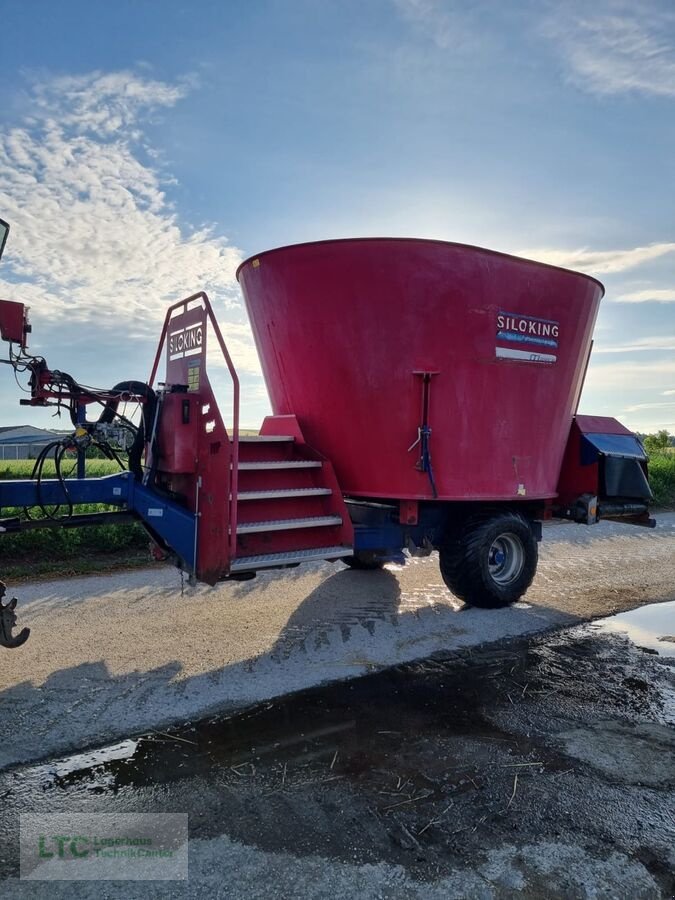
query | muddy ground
[526, 752]
[541, 767]
[118, 654]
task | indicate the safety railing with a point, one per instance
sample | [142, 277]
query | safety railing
[234, 453]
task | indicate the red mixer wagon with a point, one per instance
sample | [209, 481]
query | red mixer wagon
[424, 397]
[442, 382]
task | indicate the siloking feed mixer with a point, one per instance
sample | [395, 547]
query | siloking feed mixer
[442, 381]
[368, 342]
[424, 398]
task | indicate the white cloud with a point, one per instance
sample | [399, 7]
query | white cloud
[647, 296]
[639, 385]
[613, 47]
[653, 344]
[103, 102]
[638, 407]
[599, 262]
[441, 21]
[94, 241]
[239, 342]
[629, 375]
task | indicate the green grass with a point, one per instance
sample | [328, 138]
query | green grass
[68, 551]
[22, 468]
[662, 478]
[16, 570]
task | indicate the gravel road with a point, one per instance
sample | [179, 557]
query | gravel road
[532, 755]
[116, 655]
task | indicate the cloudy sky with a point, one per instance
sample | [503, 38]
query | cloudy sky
[146, 148]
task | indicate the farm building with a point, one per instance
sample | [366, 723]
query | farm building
[23, 441]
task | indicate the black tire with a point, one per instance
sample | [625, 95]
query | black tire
[364, 562]
[491, 561]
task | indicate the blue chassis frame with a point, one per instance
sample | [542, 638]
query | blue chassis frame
[176, 526]
[376, 530]
[173, 524]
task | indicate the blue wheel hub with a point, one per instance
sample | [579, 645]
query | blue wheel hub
[506, 558]
[498, 557]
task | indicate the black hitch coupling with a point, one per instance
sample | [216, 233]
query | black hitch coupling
[8, 621]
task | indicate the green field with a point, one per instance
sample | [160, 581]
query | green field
[662, 478]
[22, 468]
[68, 551]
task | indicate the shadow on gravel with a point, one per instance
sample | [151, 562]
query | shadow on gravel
[164, 578]
[562, 739]
[353, 622]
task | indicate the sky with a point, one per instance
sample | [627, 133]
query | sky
[146, 148]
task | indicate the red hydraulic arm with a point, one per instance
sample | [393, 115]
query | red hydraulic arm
[47, 386]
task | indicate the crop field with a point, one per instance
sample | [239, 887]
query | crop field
[662, 478]
[68, 550]
[22, 468]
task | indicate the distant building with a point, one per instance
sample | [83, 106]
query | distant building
[23, 441]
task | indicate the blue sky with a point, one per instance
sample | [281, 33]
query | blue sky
[146, 148]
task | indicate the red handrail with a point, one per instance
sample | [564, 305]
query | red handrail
[234, 477]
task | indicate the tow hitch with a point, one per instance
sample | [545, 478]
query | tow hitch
[8, 621]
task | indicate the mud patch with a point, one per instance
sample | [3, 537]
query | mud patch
[545, 766]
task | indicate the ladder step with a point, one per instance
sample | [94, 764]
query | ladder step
[281, 464]
[290, 557]
[266, 438]
[283, 493]
[287, 524]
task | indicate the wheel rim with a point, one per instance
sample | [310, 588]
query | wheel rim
[506, 558]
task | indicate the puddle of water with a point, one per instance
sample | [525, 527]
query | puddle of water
[371, 720]
[434, 757]
[650, 626]
[79, 762]
[350, 728]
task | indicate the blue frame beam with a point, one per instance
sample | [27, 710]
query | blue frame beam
[171, 523]
[113, 489]
[176, 525]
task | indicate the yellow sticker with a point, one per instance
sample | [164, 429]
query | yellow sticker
[255, 263]
[193, 378]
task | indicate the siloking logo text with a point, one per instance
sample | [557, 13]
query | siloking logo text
[186, 341]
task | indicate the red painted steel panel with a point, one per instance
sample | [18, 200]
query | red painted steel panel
[576, 479]
[342, 326]
[179, 434]
[13, 322]
[600, 425]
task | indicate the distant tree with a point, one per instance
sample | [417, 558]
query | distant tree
[657, 443]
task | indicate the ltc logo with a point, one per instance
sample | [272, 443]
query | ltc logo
[186, 341]
[63, 846]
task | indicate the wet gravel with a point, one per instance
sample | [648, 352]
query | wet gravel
[546, 765]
